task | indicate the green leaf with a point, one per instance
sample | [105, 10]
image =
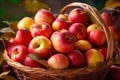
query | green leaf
[33, 5]
[40, 60]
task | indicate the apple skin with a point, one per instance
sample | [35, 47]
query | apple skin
[63, 41]
[115, 33]
[79, 30]
[93, 57]
[44, 16]
[40, 45]
[23, 36]
[32, 63]
[113, 73]
[107, 17]
[83, 45]
[25, 23]
[18, 53]
[103, 50]
[92, 26]
[97, 37]
[59, 24]
[76, 59]
[78, 15]
[58, 61]
[41, 29]
[63, 16]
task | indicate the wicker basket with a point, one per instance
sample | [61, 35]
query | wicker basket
[86, 73]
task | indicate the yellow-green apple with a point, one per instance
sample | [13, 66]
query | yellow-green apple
[97, 37]
[40, 45]
[44, 16]
[63, 16]
[18, 53]
[59, 24]
[23, 36]
[76, 59]
[93, 57]
[83, 45]
[41, 29]
[115, 33]
[32, 62]
[107, 17]
[63, 41]
[79, 30]
[25, 23]
[92, 26]
[113, 73]
[78, 15]
[58, 61]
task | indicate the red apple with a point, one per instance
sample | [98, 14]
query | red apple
[113, 73]
[18, 53]
[59, 24]
[115, 33]
[41, 29]
[23, 36]
[76, 59]
[97, 37]
[78, 15]
[44, 16]
[79, 30]
[58, 61]
[93, 57]
[63, 41]
[103, 50]
[107, 17]
[31, 62]
[40, 45]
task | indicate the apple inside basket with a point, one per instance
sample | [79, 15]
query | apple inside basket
[61, 46]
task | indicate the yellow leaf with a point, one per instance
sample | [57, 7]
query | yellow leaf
[1, 58]
[33, 5]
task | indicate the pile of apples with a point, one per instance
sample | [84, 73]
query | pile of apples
[69, 40]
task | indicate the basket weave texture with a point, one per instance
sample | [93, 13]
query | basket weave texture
[86, 73]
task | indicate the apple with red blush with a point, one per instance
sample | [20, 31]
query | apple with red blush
[78, 15]
[58, 61]
[76, 59]
[23, 36]
[97, 37]
[41, 29]
[44, 16]
[59, 24]
[18, 53]
[40, 45]
[63, 41]
[79, 30]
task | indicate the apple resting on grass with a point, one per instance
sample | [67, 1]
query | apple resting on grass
[41, 29]
[76, 59]
[93, 57]
[40, 45]
[23, 36]
[18, 53]
[63, 41]
[44, 16]
[58, 61]
[78, 15]
[79, 30]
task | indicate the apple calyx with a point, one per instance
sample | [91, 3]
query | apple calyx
[38, 59]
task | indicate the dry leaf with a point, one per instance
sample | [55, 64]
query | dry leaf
[33, 5]
[1, 58]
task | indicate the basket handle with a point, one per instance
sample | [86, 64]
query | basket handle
[95, 14]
